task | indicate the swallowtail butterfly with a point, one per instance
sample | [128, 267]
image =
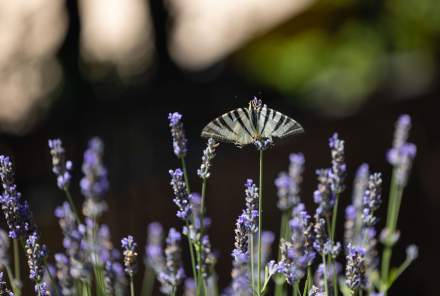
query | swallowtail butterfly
[245, 126]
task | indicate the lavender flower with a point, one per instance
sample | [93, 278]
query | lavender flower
[402, 154]
[372, 199]
[193, 230]
[263, 144]
[153, 249]
[267, 239]
[178, 134]
[181, 197]
[331, 269]
[320, 234]
[94, 184]
[315, 291]
[60, 166]
[114, 280]
[4, 249]
[240, 278]
[17, 213]
[4, 288]
[323, 194]
[355, 268]
[73, 242]
[208, 259]
[36, 256]
[190, 287]
[64, 277]
[173, 274]
[208, 155]
[338, 170]
[412, 252]
[129, 246]
[251, 211]
[288, 185]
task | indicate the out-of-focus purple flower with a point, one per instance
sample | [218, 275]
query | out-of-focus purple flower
[315, 291]
[174, 273]
[267, 239]
[94, 184]
[153, 249]
[402, 154]
[42, 289]
[372, 199]
[73, 242]
[207, 256]
[64, 277]
[178, 134]
[297, 253]
[193, 230]
[114, 279]
[208, 155]
[288, 185]
[412, 252]
[181, 197]
[330, 270]
[190, 287]
[338, 170]
[17, 213]
[323, 196]
[4, 287]
[36, 254]
[355, 268]
[240, 278]
[4, 249]
[130, 255]
[251, 210]
[320, 234]
[60, 166]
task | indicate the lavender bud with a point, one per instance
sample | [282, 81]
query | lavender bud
[263, 144]
[181, 197]
[412, 252]
[251, 210]
[4, 249]
[372, 199]
[323, 196]
[288, 185]
[129, 251]
[178, 134]
[174, 273]
[355, 268]
[36, 255]
[338, 170]
[60, 166]
[208, 155]
[240, 278]
[63, 274]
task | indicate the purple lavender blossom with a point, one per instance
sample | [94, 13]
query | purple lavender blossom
[60, 166]
[251, 211]
[181, 197]
[288, 185]
[17, 213]
[36, 255]
[3, 287]
[330, 270]
[355, 268]
[267, 239]
[114, 279]
[412, 252]
[129, 251]
[63, 274]
[338, 170]
[315, 291]
[263, 144]
[207, 256]
[323, 196]
[402, 154]
[372, 199]
[4, 249]
[94, 184]
[190, 287]
[178, 134]
[240, 278]
[174, 273]
[208, 155]
[153, 249]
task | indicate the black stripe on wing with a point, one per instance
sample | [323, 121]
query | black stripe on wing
[280, 125]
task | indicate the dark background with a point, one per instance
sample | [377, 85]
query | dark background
[132, 121]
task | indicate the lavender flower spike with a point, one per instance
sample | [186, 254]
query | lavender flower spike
[181, 197]
[63, 274]
[338, 170]
[4, 249]
[402, 154]
[3, 287]
[17, 213]
[60, 166]
[129, 251]
[173, 275]
[372, 199]
[288, 185]
[36, 254]
[178, 134]
[240, 277]
[355, 268]
[208, 155]
[153, 250]
[251, 211]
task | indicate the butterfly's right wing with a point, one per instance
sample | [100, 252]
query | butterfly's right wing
[272, 123]
[232, 127]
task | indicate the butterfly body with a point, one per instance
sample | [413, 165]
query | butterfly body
[244, 126]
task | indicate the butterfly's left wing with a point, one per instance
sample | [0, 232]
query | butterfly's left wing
[233, 127]
[272, 123]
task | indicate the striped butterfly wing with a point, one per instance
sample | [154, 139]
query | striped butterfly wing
[272, 123]
[233, 127]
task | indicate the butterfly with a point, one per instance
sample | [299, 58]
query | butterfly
[257, 123]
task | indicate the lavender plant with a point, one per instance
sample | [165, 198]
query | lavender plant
[89, 260]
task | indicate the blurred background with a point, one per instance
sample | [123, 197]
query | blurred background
[116, 68]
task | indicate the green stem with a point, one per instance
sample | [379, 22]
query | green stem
[12, 280]
[325, 275]
[308, 280]
[251, 239]
[332, 237]
[72, 205]
[16, 260]
[260, 220]
[279, 285]
[193, 261]
[131, 286]
[185, 174]
[147, 282]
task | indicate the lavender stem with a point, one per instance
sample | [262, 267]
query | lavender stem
[252, 257]
[16, 261]
[260, 220]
